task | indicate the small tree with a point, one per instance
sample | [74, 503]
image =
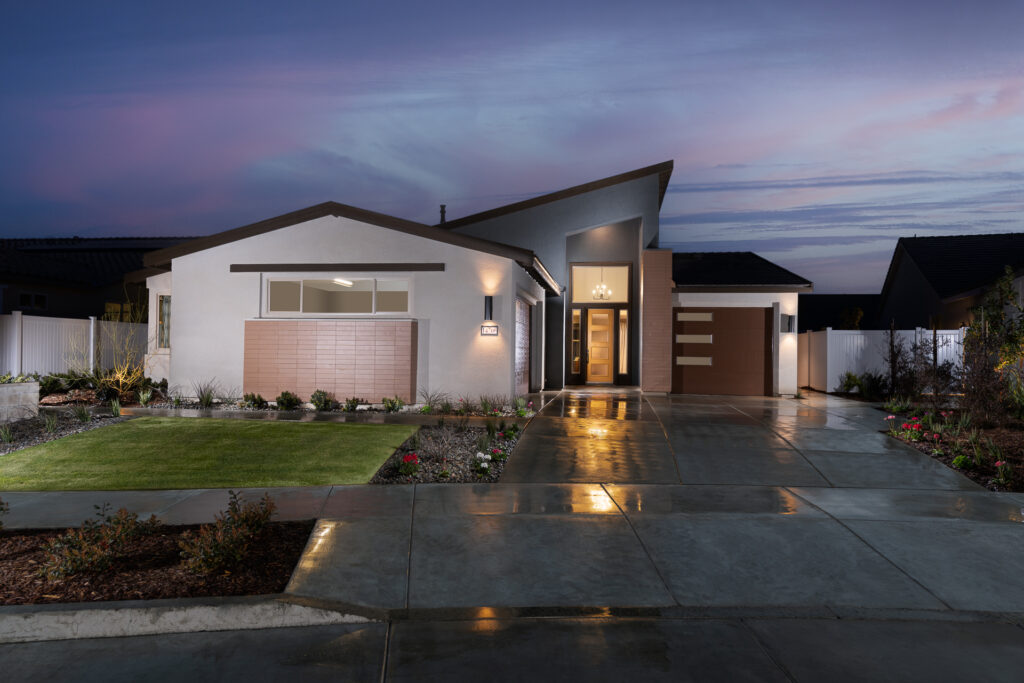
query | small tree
[992, 352]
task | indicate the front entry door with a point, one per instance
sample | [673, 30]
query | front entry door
[599, 345]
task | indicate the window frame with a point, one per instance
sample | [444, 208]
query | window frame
[303, 277]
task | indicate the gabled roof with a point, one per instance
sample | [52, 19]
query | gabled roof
[732, 271]
[959, 265]
[76, 260]
[524, 257]
[663, 171]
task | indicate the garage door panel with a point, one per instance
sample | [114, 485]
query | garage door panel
[739, 351]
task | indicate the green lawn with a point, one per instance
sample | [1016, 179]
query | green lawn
[182, 453]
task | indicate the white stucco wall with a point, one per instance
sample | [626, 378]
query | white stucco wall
[785, 345]
[158, 361]
[210, 304]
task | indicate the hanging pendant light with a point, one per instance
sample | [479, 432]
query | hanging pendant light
[601, 292]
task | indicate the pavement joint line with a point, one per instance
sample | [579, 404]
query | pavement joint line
[767, 651]
[789, 443]
[408, 566]
[647, 552]
[671, 448]
[330, 492]
[71, 621]
[873, 548]
[386, 655]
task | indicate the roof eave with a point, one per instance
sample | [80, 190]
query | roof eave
[663, 171]
[804, 289]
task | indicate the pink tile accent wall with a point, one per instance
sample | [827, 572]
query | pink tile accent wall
[656, 359]
[369, 359]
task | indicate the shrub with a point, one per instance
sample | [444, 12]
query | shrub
[115, 407]
[432, 400]
[50, 384]
[50, 423]
[206, 391]
[410, 464]
[483, 442]
[96, 544]
[286, 400]
[145, 396]
[6, 433]
[81, 413]
[873, 386]
[223, 544]
[322, 400]
[963, 462]
[352, 404]
[848, 383]
[392, 405]
[466, 405]
[492, 428]
[254, 401]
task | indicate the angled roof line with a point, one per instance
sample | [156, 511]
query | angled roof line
[524, 257]
[663, 170]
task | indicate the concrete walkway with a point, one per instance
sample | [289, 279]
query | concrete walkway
[720, 539]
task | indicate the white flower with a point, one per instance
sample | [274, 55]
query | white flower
[483, 456]
[484, 466]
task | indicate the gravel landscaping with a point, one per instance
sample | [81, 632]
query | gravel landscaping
[35, 431]
[455, 454]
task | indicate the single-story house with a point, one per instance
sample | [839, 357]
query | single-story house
[569, 288]
[936, 281]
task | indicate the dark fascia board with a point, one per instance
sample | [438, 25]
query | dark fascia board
[524, 257]
[334, 267]
[141, 274]
[803, 289]
[664, 171]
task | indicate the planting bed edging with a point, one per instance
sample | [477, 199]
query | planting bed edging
[66, 621]
[18, 401]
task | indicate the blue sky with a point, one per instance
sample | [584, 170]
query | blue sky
[814, 133]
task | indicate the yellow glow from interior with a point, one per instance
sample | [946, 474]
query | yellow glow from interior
[343, 282]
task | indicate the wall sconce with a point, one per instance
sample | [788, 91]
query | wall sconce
[489, 329]
[787, 323]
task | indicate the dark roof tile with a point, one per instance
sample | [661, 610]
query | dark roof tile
[740, 268]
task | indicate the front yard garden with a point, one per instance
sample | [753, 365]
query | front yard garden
[181, 453]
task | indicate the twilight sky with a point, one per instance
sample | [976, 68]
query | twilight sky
[812, 132]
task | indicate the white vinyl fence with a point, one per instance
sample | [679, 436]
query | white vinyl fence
[825, 356]
[45, 345]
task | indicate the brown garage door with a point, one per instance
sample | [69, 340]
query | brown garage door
[722, 351]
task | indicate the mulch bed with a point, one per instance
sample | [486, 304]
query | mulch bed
[1009, 439]
[448, 454]
[150, 570]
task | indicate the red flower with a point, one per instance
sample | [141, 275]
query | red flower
[915, 418]
[495, 450]
[411, 457]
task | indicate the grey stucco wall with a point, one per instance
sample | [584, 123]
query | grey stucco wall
[545, 229]
[19, 401]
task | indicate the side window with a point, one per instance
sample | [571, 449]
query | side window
[163, 334]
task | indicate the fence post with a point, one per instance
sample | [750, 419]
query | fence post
[18, 332]
[92, 343]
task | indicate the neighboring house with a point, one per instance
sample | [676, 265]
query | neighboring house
[74, 277]
[839, 311]
[935, 281]
[566, 288]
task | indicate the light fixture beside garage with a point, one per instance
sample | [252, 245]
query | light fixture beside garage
[787, 323]
[489, 328]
